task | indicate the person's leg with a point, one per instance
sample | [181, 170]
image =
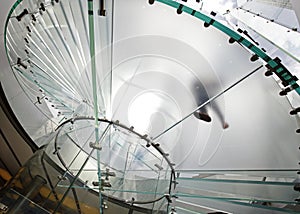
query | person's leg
[220, 115]
[201, 96]
[202, 114]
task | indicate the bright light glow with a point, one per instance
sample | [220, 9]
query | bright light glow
[147, 106]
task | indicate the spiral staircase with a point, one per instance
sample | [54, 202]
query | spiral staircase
[107, 97]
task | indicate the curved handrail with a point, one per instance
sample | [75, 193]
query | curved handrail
[144, 137]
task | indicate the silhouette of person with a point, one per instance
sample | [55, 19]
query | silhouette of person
[201, 96]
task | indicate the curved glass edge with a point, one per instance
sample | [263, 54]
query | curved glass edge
[51, 121]
[125, 184]
[15, 5]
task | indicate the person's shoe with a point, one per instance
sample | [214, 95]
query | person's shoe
[203, 116]
[225, 125]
